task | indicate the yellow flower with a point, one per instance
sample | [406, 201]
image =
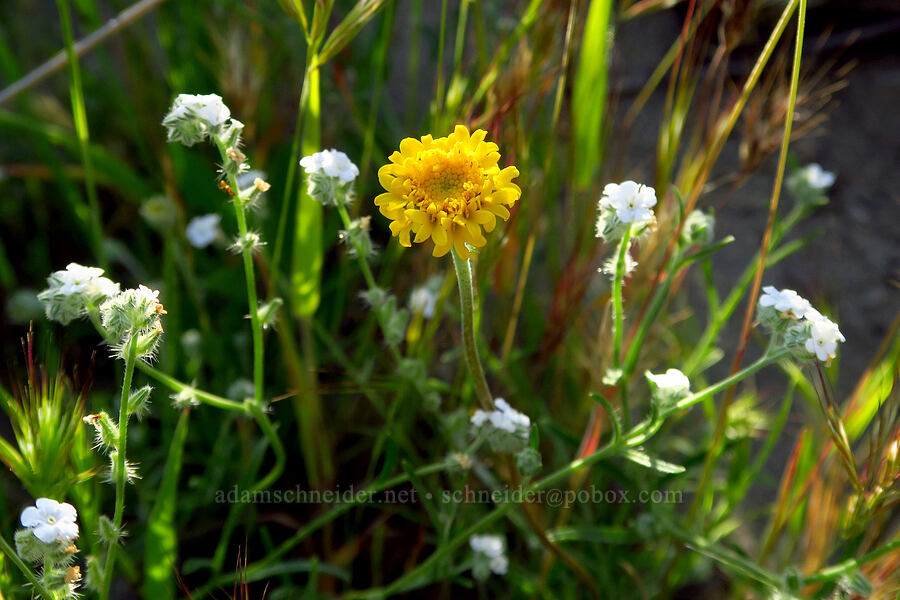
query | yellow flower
[446, 189]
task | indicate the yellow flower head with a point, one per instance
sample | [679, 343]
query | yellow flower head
[446, 189]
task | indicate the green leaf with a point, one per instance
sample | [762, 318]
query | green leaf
[645, 460]
[595, 534]
[589, 97]
[160, 551]
[347, 29]
[306, 272]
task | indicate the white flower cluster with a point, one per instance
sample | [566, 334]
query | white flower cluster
[330, 176]
[803, 326]
[333, 163]
[51, 521]
[194, 117]
[507, 429]
[48, 540]
[72, 290]
[621, 205]
[631, 201]
[203, 230]
[490, 555]
[505, 418]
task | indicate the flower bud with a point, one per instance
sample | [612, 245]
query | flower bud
[160, 212]
[139, 402]
[249, 242]
[185, 398]
[268, 312]
[528, 461]
[358, 237]
[698, 229]
[669, 387]
[108, 533]
[106, 434]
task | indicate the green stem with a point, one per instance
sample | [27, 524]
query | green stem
[121, 474]
[467, 317]
[765, 360]
[250, 277]
[619, 322]
[204, 397]
[367, 275]
[617, 298]
[277, 447]
[256, 408]
[848, 566]
[28, 573]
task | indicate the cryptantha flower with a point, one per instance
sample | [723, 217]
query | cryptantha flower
[446, 190]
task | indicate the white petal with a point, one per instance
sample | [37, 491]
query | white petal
[45, 532]
[31, 517]
[67, 531]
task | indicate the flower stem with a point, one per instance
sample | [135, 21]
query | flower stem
[257, 409]
[6, 549]
[250, 277]
[367, 275]
[619, 319]
[617, 297]
[467, 311]
[120, 473]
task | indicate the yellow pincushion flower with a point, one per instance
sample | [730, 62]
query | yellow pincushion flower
[446, 189]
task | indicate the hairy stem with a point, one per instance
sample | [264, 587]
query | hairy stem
[467, 316]
[121, 475]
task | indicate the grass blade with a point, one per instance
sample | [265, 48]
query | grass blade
[589, 98]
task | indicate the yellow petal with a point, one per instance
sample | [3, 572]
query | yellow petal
[386, 176]
[439, 235]
[441, 250]
[409, 147]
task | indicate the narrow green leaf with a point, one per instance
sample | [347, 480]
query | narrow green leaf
[589, 98]
[307, 258]
[347, 29]
[160, 551]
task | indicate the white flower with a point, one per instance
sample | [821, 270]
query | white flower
[423, 300]
[631, 201]
[671, 380]
[824, 336]
[69, 292]
[817, 177]
[490, 549]
[193, 117]
[332, 163]
[202, 231]
[207, 107]
[786, 301]
[504, 417]
[499, 565]
[51, 521]
[507, 429]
